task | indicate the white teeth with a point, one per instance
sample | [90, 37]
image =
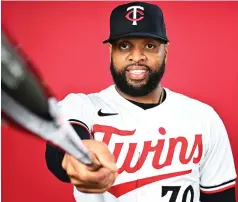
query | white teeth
[137, 71]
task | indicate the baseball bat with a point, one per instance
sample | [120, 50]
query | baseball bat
[29, 104]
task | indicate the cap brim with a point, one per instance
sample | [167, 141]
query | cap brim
[136, 34]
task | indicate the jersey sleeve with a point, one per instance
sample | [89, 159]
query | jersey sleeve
[217, 169]
[78, 110]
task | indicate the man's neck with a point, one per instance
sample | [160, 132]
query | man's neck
[151, 98]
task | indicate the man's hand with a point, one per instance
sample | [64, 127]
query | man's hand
[84, 178]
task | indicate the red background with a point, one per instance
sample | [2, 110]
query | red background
[65, 40]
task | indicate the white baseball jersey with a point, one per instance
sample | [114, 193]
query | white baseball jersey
[167, 153]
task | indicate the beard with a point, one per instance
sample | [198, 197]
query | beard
[153, 80]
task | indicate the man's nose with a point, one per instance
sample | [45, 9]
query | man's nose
[137, 55]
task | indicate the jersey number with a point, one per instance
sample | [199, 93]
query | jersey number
[175, 192]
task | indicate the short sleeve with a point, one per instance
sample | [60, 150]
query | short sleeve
[217, 169]
[77, 109]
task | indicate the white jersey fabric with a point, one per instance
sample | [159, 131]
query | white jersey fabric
[166, 153]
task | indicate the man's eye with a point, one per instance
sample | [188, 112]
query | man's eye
[124, 46]
[150, 46]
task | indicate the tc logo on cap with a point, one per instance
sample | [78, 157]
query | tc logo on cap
[135, 10]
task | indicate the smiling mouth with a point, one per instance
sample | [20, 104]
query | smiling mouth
[137, 74]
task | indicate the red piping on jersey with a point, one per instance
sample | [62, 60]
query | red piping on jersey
[80, 124]
[218, 190]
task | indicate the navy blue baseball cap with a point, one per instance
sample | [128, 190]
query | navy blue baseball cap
[137, 19]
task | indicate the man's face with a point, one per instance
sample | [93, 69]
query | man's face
[137, 65]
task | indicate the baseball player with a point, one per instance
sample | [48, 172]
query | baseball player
[153, 144]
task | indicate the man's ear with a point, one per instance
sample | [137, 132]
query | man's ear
[166, 51]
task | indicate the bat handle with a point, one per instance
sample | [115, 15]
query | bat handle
[96, 165]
